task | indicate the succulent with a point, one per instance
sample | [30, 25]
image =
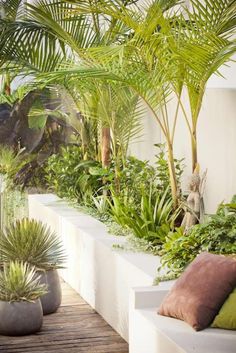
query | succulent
[31, 241]
[19, 282]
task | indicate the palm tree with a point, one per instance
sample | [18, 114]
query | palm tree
[50, 39]
[156, 49]
[191, 45]
[134, 61]
[207, 43]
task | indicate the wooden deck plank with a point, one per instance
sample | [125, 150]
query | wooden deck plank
[74, 328]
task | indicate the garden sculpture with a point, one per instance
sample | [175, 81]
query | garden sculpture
[194, 201]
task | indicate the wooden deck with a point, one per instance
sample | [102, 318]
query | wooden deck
[74, 328]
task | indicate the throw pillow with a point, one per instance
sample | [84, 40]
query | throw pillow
[201, 290]
[226, 317]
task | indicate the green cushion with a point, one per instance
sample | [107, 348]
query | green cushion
[226, 317]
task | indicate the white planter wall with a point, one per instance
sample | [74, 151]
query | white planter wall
[101, 275]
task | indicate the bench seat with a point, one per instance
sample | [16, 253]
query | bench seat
[153, 333]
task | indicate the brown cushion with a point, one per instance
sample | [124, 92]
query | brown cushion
[199, 293]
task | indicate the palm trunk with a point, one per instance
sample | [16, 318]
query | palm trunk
[194, 150]
[195, 116]
[106, 147]
[173, 179]
[7, 85]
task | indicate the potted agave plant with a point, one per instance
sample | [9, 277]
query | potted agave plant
[20, 307]
[31, 241]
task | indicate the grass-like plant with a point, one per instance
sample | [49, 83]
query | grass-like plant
[152, 221]
[19, 282]
[33, 242]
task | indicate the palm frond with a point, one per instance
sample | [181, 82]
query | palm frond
[10, 9]
[74, 31]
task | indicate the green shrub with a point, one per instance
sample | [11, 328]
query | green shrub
[135, 177]
[136, 194]
[162, 169]
[216, 235]
[70, 176]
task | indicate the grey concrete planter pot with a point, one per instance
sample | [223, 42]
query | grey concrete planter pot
[52, 300]
[20, 318]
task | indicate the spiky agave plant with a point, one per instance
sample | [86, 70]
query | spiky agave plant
[33, 242]
[19, 282]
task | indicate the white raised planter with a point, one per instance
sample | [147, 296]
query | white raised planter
[102, 275]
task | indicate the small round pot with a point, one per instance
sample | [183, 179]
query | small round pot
[20, 318]
[51, 300]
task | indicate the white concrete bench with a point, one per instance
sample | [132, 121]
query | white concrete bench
[153, 333]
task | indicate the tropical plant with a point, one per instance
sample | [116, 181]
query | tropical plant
[147, 48]
[30, 241]
[142, 72]
[158, 49]
[152, 220]
[113, 105]
[216, 235]
[20, 282]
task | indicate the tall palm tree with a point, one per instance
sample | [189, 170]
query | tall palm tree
[122, 52]
[156, 48]
[52, 37]
[207, 43]
[190, 45]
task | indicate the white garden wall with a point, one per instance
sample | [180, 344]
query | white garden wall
[101, 275]
[216, 143]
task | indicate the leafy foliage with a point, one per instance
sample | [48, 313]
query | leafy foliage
[216, 235]
[162, 169]
[138, 173]
[20, 282]
[72, 177]
[32, 242]
[146, 209]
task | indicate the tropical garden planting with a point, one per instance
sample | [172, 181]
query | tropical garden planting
[77, 78]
